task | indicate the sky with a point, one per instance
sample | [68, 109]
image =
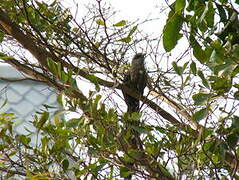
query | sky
[130, 10]
[134, 8]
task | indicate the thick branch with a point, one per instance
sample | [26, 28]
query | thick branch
[177, 107]
[27, 42]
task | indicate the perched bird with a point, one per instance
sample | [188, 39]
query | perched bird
[136, 79]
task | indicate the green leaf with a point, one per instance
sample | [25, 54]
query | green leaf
[125, 172]
[132, 31]
[191, 5]
[209, 146]
[226, 70]
[59, 100]
[177, 69]
[222, 13]
[4, 103]
[141, 130]
[215, 59]
[185, 65]
[59, 71]
[24, 139]
[193, 67]
[63, 77]
[100, 22]
[73, 123]
[43, 119]
[204, 80]
[65, 164]
[1, 36]
[160, 129]
[235, 71]
[179, 6]
[92, 78]
[125, 40]
[236, 51]
[199, 115]
[198, 52]
[120, 23]
[236, 86]
[220, 85]
[52, 65]
[48, 106]
[207, 17]
[13, 153]
[232, 140]
[201, 98]
[5, 57]
[171, 31]
[207, 132]
[236, 95]
[135, 116]
[235, 122]
[210, 14]
[97, 100]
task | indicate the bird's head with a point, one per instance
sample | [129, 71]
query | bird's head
[139, 56]
[138, 60]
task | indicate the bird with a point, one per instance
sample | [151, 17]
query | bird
[136, 80]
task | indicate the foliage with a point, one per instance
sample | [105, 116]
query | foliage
[194, 137]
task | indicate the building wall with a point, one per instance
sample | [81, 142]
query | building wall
[24, 97]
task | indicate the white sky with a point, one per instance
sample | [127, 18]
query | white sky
[129, 10]
[134, 8]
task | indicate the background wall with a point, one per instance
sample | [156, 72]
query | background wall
[24, 97]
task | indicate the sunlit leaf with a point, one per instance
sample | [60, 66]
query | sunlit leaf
[120, 23]
[126, 40]
[100, 22]
[132, 31]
